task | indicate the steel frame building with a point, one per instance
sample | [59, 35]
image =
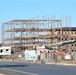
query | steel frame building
[32, 32]
[28, 32]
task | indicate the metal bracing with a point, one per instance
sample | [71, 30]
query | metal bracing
[30, 32]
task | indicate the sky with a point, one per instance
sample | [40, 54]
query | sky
[26, 9]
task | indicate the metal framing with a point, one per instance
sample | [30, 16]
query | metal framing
[29, 32]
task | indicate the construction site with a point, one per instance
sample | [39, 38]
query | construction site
[22, 34]
[35, 34]
[30, 33]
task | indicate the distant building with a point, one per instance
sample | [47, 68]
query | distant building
[67, 33]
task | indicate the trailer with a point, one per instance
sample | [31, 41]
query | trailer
[5, 50]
